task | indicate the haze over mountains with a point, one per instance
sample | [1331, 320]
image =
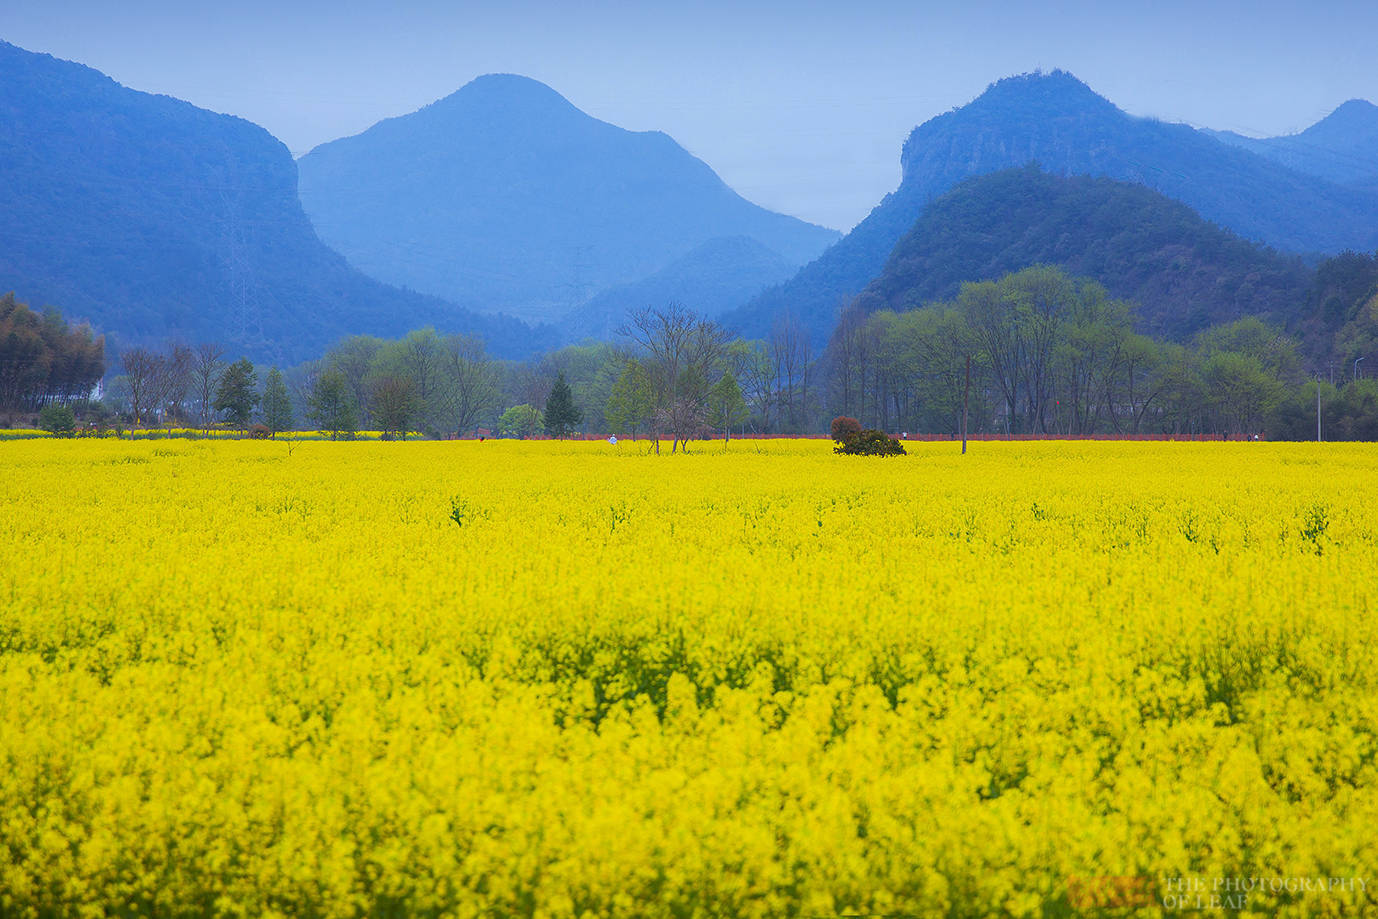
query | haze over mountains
[154, 219]
[1057, 121]
[717, 276]
[506, 194]
[1342, 147]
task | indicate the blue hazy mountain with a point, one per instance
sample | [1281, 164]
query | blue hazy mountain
[155, 219]
[715, 277]
[1056, 121]
[506, 194]
[1184, 273]
[1342, 147]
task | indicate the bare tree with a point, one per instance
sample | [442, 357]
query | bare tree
[174, 379]
[850, 358]
[471, 381]
[205, 368]
[682, 351]
[423, 361]
[354, 358]
[790, 356]
[141, 370]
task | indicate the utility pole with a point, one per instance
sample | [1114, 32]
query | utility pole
[966, 396]
[1318, 409]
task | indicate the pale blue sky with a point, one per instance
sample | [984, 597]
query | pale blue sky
[801, 106]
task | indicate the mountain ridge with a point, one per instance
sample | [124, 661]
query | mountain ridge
[1342, 147]
[153, 218]
[507, 192]
[1055, 120]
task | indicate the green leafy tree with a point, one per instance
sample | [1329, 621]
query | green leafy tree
[726, 405]
[236, 395]
[632, 401]
[520, 421]
[58, 420]
[330, 405]
[562, 416]
[277, 404]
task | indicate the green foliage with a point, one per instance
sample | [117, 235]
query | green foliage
[1052, 354]
[869, 443]
[58, 420]
[330, 406]
[43, 359]
[520, 421]
[562, 417]
[1183, 272]
[632, 400]
[277, 404]
[726, 405]
[236, 394]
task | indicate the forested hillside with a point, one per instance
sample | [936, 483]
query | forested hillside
[152, 218]
[1183, 273]
[1059, 123]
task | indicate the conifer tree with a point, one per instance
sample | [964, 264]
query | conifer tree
[562, 416]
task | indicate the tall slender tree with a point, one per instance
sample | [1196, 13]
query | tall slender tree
[277, 404]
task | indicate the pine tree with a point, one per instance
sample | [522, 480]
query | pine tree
[236, 395]
[277, 405]
[562, 416]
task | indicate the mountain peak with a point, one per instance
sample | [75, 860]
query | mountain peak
[503, 97]
[508, 87]
[506, 192]
[1043, 93]
[1354, 115]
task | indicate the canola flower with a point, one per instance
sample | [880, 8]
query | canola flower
[571, 679]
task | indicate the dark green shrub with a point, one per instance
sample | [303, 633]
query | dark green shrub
[58, 420]
[870, 443]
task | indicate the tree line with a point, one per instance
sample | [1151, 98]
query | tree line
[1035, 352]
[44, 360]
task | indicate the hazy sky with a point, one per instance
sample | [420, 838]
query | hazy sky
[801, 106]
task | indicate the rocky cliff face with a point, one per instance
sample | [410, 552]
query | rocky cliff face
[1057, 122]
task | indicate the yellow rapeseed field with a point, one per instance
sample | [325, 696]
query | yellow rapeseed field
[492, 679]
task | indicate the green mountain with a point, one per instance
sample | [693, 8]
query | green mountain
[1184, 273]
[715, 277]
[1056, 121]
[154, 219]
[505, 193]
[1342, 147]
